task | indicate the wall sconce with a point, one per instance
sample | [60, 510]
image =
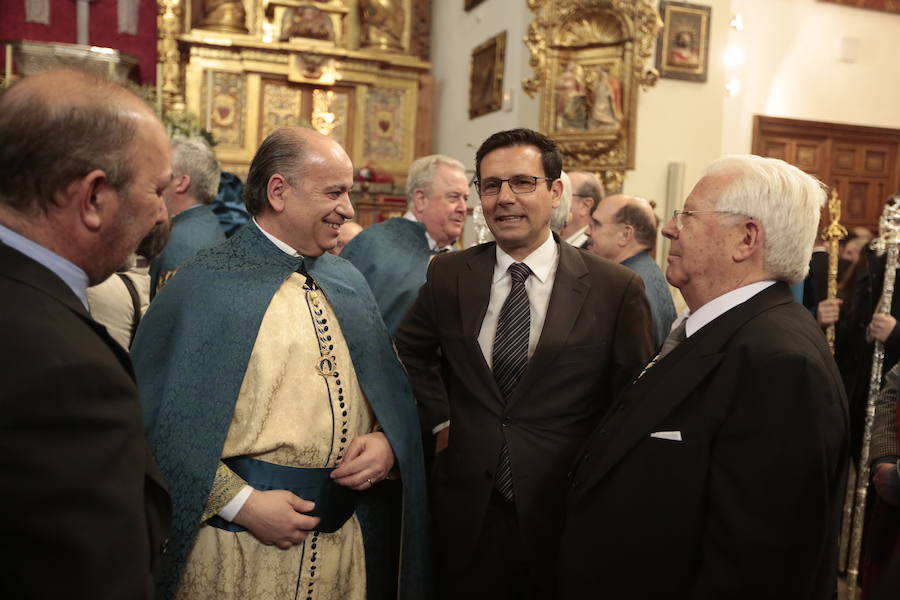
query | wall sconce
[733, 86]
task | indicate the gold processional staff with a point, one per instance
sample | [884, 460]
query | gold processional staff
[887, 242]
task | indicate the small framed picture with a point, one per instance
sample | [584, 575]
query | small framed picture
[486, 76]
[683, 48]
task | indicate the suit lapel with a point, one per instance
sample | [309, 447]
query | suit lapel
[662, 388]
[474, 293]
[570, 290]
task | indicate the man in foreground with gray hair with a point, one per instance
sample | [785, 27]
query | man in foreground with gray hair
[393, 255]
[194, 225]
[720, 471]
[83, 165]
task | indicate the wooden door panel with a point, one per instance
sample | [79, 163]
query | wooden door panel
[863, 163]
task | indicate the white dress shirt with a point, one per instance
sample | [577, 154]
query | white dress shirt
[717, 307]
[543, 263]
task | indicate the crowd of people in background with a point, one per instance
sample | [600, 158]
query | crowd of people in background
[206, 398]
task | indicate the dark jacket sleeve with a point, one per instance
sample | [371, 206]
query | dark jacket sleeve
[418, 345]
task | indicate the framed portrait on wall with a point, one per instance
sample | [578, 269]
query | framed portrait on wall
[683, 48]
[486, 76]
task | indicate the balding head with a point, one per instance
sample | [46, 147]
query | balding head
[622, 226]
[83, 165]
[59, 125]
[298, 188]
[587, 192]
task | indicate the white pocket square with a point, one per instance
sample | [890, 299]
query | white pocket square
[675, 436]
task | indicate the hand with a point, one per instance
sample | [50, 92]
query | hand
[367, 461]
[273, 517]
[442, 440]
[887, 483]
[828, 311]
[881, 327]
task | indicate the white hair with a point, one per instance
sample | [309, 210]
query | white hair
[192, 156]
[421, 174]
[787, 203]
[561, 213]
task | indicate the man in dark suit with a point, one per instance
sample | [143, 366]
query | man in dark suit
[720, 472]
[82, 167]
[515, 351]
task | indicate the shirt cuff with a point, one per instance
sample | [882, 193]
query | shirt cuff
[234, 506]
[440, 427]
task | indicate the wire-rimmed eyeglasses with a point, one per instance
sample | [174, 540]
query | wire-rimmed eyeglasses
[519, 184]
[679, 215]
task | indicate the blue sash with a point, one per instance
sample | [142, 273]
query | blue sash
[334, 503]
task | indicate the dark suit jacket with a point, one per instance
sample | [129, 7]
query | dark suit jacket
[595, 338]
[747, 505]
[84, 510]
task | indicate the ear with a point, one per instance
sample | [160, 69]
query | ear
[626, 235]
[556, 193]
[750, 241]
[276, 192]
[94, 199]
[420, 201]
[182, 183]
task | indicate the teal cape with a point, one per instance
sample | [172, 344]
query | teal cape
[193, 230]
[190, 354]
[393, 257]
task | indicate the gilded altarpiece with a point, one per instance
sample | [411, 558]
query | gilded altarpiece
[352, 69]
[590, 57]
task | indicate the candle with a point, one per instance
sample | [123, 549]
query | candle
[7, 77]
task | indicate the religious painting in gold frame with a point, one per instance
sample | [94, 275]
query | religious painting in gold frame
[486, 76]
[590, 59]
[683, 50]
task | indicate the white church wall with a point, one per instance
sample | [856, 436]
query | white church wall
[792, 67]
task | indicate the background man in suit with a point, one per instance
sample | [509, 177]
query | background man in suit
[720, 473]
[393, 255]
[517, 348]
[83, 165]
[623, 230]
[194, 225]
[587, 192]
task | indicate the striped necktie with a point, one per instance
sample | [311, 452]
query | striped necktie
[510, 357]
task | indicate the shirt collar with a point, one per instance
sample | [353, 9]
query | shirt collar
[719, 306]
[541, 261]
[432, 245]
[73, 275]
[286, 248]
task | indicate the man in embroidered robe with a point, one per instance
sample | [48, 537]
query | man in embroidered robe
[393, 255]
[275, 403]
[194, 226]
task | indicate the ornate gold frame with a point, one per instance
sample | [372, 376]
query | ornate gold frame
[486, 76]
[589, 59]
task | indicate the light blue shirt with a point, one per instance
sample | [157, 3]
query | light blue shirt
[71, 274]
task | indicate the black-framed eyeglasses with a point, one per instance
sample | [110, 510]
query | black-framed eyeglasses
[679, 215]
[519, 184]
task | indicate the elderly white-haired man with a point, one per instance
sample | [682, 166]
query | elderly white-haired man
[720, 470]
[394, 254]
